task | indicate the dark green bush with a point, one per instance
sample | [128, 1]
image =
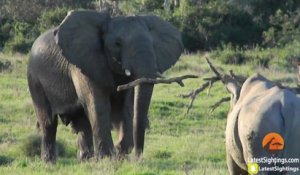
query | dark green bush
[52, 18]
[17, 44]
[208, 26]
[22, 36]
[31, 146]
[228, 54]
[4, 160]
[5, 31]
[5, 65]
[204, 24]
[163, 154]
[282, 57]
[150, 5]
[21, 21]
[284, 28]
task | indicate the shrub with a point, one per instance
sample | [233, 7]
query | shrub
[282, 57]
[22, 34]
[32, 146]
[163, 154]
[227, 54]
[52, 18]
[209, 25]
[284, 28]
[4, 160]
[17, 44]
[5, 31]
[5, 65]
[22, 37]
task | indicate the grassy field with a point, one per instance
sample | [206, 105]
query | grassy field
[176, 143]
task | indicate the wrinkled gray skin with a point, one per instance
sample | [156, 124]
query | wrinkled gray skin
[74, 71]
[261, 107]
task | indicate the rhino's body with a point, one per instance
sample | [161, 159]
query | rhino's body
[262, 108]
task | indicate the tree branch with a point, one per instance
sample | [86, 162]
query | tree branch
[134, 83]
[241, 79]
[218, 75]
[194, 93]
[224, 78]
[217, 104]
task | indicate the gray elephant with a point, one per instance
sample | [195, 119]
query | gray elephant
[74, 71]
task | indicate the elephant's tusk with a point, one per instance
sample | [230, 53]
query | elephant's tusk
[116, 60]
[127, 72]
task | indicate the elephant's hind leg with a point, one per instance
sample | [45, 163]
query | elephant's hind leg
[48, 129]
[82, 127]
[46, 120]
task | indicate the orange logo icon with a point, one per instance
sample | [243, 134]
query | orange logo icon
[273, 142]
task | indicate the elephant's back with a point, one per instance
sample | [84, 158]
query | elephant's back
[45, 55]
[51, 70]
[44, 47]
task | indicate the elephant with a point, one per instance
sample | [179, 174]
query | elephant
[258, 108]
[74, 70]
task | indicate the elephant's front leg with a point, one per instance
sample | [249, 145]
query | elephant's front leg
[96, 102]
[99, 116]
[125, 127]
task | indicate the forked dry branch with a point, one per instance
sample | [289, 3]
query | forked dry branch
[194, 93]
[224, 78]
[217, 104]
[136, 82]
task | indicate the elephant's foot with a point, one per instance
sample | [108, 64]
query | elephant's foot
[123, 149]
[48, 153]
[122, 155]
[48, 157]
[105, 152]
[84, 155]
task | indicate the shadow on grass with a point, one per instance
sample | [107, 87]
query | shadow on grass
[8, 138]
[3, 120]
[166, 109]
[169, 165]
[68, 161]
[5, 160]
[31, 147]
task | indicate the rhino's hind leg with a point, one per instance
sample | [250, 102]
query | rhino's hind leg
[233, 168]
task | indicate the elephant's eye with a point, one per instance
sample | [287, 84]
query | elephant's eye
[118, 43]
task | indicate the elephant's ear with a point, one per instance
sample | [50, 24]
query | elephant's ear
[167, 41]
[79, 37]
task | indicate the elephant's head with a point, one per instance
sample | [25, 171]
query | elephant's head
[135, 46]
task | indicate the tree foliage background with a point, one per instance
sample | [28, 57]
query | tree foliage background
[205, 24]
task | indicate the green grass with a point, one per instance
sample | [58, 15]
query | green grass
[176, 143]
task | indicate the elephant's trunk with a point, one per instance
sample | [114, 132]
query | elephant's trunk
[142, 98]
